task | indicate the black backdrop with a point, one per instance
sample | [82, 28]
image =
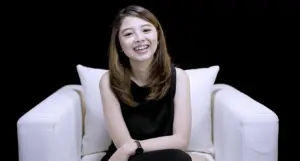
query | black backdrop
[252, 42]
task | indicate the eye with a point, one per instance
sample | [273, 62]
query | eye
[147, 30]
[127, 34]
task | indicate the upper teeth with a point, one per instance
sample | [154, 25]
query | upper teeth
[141, 47]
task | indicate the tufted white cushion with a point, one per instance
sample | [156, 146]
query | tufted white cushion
[96, 138]
[201, 86]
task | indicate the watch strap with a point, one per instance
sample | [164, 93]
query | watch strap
[139, 149]
[138, 144]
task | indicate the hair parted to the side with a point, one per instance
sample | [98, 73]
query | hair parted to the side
[159, 80]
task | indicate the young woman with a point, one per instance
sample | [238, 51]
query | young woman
[146, 100]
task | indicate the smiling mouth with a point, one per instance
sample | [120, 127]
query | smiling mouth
[141, 48]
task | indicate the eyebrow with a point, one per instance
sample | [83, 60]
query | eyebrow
[131, 28]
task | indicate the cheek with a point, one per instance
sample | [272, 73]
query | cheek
[153, 38]
[125, 44]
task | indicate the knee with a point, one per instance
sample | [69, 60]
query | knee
[163, 155]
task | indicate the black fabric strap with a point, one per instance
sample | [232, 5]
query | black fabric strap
[173, 84]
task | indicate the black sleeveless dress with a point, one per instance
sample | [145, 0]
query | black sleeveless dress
[149, 120]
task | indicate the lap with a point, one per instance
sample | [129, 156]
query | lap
[163, 155]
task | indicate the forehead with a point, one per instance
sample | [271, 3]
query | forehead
[133, 22]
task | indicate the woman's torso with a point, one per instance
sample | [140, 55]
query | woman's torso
[151, 118]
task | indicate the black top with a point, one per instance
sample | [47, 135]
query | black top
[151, 118]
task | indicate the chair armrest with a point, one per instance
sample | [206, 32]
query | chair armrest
[52, 130]
[243, 129]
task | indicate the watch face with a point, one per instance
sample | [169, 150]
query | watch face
[139, 150]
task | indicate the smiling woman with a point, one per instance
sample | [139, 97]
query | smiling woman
[135, 28]
[146, 99]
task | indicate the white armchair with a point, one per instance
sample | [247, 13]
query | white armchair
[243, 129]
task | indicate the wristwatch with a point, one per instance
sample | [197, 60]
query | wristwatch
[139, 149]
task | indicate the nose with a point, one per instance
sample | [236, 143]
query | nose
[139, 37]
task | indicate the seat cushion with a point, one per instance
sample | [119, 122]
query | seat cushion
[93, 157]
[96, 138]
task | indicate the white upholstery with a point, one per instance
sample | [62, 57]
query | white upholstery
[52, 130]
[243, 129]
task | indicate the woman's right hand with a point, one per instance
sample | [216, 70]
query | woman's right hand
[119, 155]
[123, 153]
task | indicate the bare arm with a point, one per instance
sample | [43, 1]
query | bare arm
[112, 113]
[182, 119]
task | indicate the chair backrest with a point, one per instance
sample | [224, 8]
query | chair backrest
[96, 138]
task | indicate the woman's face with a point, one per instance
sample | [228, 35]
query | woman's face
[138, 39]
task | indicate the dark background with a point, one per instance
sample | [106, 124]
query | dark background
[253, 42]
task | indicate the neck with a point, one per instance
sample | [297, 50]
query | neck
[140, 71]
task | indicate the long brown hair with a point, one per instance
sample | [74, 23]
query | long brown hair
[159, 80]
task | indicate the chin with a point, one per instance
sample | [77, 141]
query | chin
[142, 57]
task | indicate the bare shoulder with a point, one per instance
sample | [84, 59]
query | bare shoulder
[104, 81]
[108, 98]
[182, 84]
[181, 75]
